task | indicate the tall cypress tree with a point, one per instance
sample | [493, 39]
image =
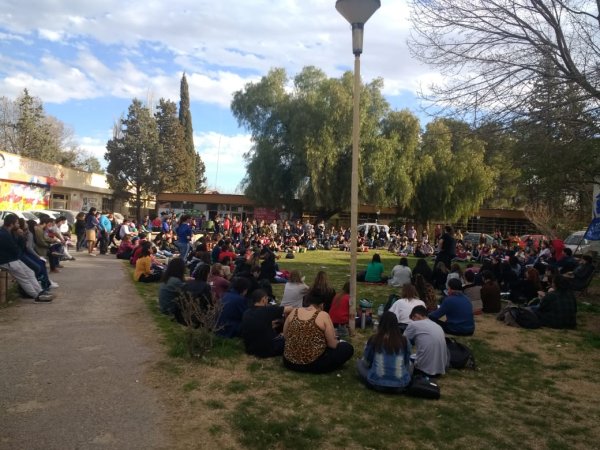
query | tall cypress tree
[196, 165]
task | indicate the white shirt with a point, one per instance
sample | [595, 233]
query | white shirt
[293, 293]
[400, 276]
[403, 307]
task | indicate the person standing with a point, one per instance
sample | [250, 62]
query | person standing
[446, 247]
[91, 227]
[184, 236]
[104, 227]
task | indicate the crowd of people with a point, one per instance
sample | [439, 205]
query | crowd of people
[234, 264]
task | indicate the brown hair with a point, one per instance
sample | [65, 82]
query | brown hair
[388, 337]
[409, 291]
[295, 277]
[534, 276]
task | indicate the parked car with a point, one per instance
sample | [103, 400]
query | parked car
[69, 214]
[365, 227]
[577, 242]
[27, 215]
[474, 239]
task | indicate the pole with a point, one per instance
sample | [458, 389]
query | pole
[354, 192]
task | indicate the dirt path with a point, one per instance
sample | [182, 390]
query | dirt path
[72, 373]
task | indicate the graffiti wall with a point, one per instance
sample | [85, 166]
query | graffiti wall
[20, 197]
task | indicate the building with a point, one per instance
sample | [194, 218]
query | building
[486, 220]
[31, 184]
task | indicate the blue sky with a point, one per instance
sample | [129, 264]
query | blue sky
[88, 60]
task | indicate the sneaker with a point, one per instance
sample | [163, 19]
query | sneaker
[72, 258]
[44, 298]
[92, 254]
[53, 285]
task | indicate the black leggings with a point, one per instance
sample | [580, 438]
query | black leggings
[330, 360]
[150, 278]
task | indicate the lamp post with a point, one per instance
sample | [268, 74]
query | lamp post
[357, 12]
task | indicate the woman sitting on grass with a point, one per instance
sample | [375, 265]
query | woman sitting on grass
[171, 288]
[310, 342]
[294, 290]
[340, 310]
[126, 248]
[403, 306]
[143, 266]
[374, 273]
[322, 289]
[385, 365]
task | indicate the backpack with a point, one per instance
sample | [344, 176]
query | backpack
[461, 356]
[118, 232]
[525, 318]
[423, 387]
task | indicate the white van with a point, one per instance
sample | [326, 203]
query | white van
[578, 243]
[365, 227]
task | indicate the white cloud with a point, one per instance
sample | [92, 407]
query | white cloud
[95, 146]
[216, 41]
[223, 157]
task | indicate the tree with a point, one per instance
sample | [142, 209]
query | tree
[303, 142]
[177, 174]
[455, 179]
[492, 52]
[130, 155]
[197, 178]
[26, 129]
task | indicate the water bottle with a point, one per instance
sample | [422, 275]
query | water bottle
[380, 311]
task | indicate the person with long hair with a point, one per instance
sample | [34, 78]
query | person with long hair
[375, 270]
[558, 308]
[143, 265]
[491, 298]
[422, 267]
[404, 305]
[321, 288]
[455, 272]
[426, 292]
[385, 365]
[310, 342]
[294, 291]
[91, 227]
[173, 282]
[217, 281]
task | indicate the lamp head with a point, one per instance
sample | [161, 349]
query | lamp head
[357, 12]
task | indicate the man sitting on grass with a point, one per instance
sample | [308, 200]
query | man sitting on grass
[432, 357]
[458, 311]
[262, 325]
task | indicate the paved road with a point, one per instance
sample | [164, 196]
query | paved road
[72, 372]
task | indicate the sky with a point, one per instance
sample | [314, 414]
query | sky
[86, 61]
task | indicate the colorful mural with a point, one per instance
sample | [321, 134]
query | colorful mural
[21, 197]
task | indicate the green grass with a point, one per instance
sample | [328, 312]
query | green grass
[527, 391]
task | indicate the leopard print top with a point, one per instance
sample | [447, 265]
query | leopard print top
[304, 341]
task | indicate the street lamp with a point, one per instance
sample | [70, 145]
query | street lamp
[357, 12]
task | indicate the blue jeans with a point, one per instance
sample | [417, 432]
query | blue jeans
[184, 249]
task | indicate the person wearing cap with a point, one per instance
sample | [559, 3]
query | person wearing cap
[458, 311]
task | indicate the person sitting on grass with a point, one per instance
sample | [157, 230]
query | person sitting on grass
[321, 288]
[126, 248]
[261, 326]
[385, 365]
[473, 291]
[143, 265]
[218, 283]
[558, 308]
[173, 282]
[294, 290]
[234, 303]
[310, 342]
[401, 274]
[432, 357]
[458, 311]
[375, 270]
[340, 310]
[404, 305]
[426, 292]
[490, 293]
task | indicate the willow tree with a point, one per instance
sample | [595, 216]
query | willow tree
[302, 142]
[455, 180]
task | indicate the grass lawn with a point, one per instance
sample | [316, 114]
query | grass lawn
[533, 389]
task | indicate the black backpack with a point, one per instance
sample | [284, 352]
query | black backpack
[461, 356]
[525, 318]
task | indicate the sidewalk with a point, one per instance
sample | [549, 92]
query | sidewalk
[72, 371]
